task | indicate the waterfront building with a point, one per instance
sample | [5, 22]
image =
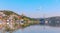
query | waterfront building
[42, 21]
[21, 21]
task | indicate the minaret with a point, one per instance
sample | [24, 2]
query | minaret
[22, 14]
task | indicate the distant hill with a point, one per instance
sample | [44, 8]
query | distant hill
[8, 13]
[53, 18]
[54, 21]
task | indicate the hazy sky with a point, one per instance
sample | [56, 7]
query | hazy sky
[32, 8]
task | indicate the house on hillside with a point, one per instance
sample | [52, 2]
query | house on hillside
[2, 14]
[1, 22]
[10, 23]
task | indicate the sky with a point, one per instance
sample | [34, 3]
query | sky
[32, 8]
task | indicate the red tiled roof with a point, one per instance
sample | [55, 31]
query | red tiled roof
[0, 16]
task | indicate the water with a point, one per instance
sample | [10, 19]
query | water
[38, 29]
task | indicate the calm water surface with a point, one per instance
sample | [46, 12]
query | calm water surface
[38, 29]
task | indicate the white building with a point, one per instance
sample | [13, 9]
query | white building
[21, 21]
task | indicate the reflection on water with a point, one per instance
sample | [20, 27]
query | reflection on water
[35, 29]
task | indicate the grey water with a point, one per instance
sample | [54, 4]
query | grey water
[38, 29]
